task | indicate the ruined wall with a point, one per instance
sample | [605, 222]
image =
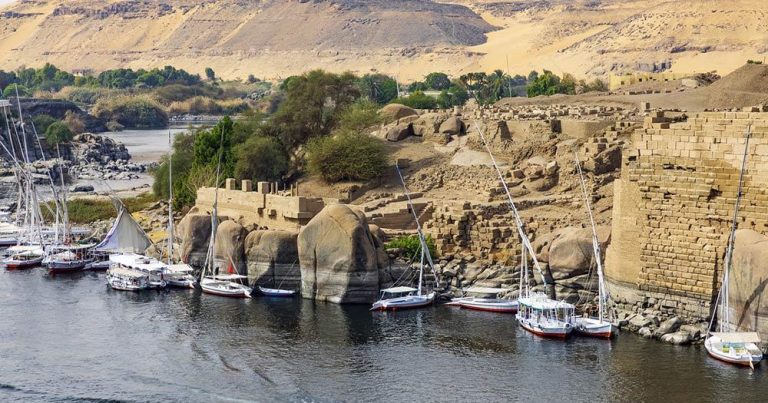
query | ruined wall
[673, 208]
[262, 208]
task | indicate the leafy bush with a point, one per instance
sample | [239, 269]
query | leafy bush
[417, 100]
[549, 83]
[260, 159]
[84, 95]
[10, 91]
[378, 88]
[86, 211]
[178, 92]
[140, 112]
[437, 81]
[359, 116]
[42, 122]
[346, 157]
[56, 133]
[410, 245]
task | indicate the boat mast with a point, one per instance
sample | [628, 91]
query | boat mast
[422, 240]
[214, 219]
[170, 198]
[518, 221]
[601, 292]
[724, 288]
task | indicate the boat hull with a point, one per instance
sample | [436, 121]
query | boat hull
[498, 306]
[22, 264]
[66, 267]
[181, 283]
[274, 292]
[744, 360]
[402, 303]
[592, 327]
[558, 332]
[226, 293]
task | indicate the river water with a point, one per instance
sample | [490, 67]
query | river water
[72, 339]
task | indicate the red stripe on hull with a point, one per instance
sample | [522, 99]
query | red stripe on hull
[402, 308]
[539, 333]
[604, 335]
[14, 266]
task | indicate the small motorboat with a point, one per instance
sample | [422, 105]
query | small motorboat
[495, 304]
[398, 298]
[180, 276]
[740, 348]
[154, 269]
[276, 292]
[545, 317]
[23, 260]
[68, 259]
[125, 279]
[225, 286]
[594, 327]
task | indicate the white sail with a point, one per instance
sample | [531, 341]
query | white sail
[125, 236]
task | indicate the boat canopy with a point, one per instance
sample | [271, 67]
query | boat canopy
[71, 247]
[180, 268]
[738, 337]
[123, 272]
[138, 262]
[398, 290]
[485, 290]
[125, 236]
[542, 302]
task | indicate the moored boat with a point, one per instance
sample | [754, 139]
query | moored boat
[545, 317]
[739, 348]
[154, 269]
[180, 276]
[68, 259]
[276, 292]
[23, 260]
[125, 279]
[399, 298]
[496, 304]
[225, 286]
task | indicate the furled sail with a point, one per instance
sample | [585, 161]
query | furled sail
[125, 236]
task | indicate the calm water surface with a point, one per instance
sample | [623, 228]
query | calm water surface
[71, 339]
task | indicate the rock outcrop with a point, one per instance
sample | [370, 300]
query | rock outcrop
[229, 248]
[194, 233]
[338, 257]
[397, 111]
[273, 259]
[399, 132]
[570, 253]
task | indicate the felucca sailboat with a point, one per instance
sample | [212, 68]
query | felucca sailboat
[740, 348]
[589, 326]
[537, 313]
[177, 274]
[406, 297]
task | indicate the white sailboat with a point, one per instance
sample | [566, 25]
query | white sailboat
[739, 348]
[537, 313]
[496, 304]
[177, 274]
[275, 290]
[590, 326]
[224, 285]
[403, 297]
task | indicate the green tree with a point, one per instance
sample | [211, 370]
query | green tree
[359, 116]
[260, 159]
[437, 81]
[57, 133]
[42, 122]
[418, 100]
[184, 195]
[210, 74]
[417, 86]
[209, 145]
[378, 88]
[346, 157]
[549, 83]
[10, 91]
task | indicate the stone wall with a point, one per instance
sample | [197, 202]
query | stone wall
[263, 208]
[673, 207]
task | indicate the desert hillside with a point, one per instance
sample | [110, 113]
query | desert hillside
[406, 38]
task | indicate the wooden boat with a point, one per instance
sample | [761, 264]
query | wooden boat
[739, 348]
[225, 286]
[594, 326]
[153, 268]
[499, 305]
[398, 298]
[68, 259]
[276, 292]
[23, 260]
[125, 279]
[180, 276]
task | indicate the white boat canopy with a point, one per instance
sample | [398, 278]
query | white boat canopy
[138, 262]
[125, 236]
[124, 272]
[398, 290]
[738, 337]
[180, 268]
[485, 290]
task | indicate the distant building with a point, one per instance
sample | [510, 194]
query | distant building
[623, 80]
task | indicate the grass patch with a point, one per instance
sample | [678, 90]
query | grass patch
[410, 245]
[86, 211]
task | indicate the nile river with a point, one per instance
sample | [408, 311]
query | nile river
[73, 339]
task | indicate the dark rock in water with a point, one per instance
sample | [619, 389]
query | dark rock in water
[81, 189]
[273, 259]
[58, 108]
[338, 256]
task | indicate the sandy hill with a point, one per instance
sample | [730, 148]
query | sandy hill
[408, 38]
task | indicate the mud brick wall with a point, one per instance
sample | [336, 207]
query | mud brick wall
[673, 208]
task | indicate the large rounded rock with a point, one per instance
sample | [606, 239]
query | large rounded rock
[229, 248]
[452, 126]
[571, 251]
[338, 257]
[399, 132]
[273, 259]
[194, 233]
[749, 282]
[397, 111]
